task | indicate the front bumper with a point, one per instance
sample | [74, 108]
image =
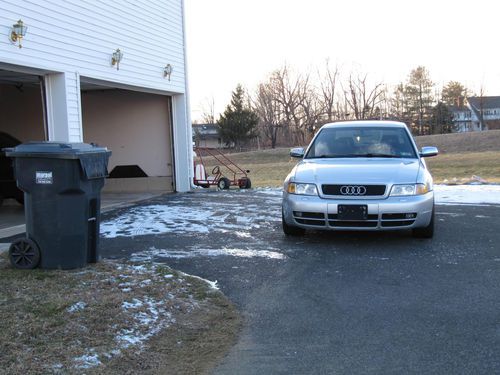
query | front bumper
[392, 213]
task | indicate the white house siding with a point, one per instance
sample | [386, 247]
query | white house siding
[74, 38]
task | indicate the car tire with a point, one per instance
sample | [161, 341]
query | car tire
[425, 232]
[224, 183]
[291, 230]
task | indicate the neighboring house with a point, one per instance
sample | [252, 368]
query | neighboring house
[207, 135]
[477, 113]
[67, 83]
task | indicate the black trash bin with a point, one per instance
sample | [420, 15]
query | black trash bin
[62, 185]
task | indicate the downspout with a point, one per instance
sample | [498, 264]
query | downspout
[188, 104]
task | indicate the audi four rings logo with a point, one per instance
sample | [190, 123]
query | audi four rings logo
[353, 190]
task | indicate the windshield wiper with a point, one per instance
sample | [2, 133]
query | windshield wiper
[371, 155]
[336, 156]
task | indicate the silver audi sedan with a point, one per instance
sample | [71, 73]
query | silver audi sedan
[360, 175]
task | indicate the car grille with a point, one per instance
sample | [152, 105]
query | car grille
[310, 218]
[371, 222]
[353, 190]
[398, 219]
[388, 220]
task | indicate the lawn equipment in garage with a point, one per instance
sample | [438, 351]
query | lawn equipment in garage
[224, 172]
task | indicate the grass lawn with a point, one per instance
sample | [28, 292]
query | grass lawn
[111, 318]
[270, 167]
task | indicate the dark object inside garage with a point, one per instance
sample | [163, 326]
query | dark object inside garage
[8, 187]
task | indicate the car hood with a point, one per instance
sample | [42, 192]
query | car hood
[358, 171]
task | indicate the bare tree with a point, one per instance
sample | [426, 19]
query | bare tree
[208, 111]
[328, 86]
[361, 99]
[268, 109]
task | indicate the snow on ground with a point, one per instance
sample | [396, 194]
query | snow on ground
[467, 194]
[204, 216]
[79, 306]
[194, 251]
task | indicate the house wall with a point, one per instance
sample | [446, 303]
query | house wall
[73, 38]
[21, 112]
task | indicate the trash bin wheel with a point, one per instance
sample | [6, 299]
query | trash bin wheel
[24, 254]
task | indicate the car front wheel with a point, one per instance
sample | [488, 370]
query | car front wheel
[291, 230]
[425, 232]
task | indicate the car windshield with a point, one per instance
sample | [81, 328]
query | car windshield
[359, 142]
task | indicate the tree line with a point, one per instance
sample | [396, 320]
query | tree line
[288, 107]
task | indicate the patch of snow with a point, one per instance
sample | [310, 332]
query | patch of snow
[87, 361]
[467, 194]
[79, 306]
[147, 322]
[212, 284]
[203, 217]
[243, 234]
[135, 304]
[204, 252]
[277, 192]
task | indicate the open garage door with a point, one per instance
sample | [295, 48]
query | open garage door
[21, 106]
[136, 127]
[22, 119]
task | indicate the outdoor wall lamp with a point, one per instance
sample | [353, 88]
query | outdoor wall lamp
[18, 32]
[116, 58]
[167, 71]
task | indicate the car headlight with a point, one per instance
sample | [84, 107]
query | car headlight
[302, 189]
[413, 189]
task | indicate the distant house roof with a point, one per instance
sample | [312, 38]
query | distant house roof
[455, 108]
[206, 131]
[484, 102]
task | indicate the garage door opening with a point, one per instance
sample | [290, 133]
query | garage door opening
[22, 119]
[137, 128]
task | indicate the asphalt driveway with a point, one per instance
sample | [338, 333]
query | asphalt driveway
[342, 303]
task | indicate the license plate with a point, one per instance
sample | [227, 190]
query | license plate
[352, 212]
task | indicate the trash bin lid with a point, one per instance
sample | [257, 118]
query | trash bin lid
[54, 150]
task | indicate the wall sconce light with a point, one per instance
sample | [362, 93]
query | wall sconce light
[18, 32]
[116, 58]
[167, 71]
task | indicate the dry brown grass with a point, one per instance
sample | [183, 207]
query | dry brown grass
[461, 156]
[463, 142]
[39, 334]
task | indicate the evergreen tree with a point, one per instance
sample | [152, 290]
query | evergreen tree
[419, 89]
[454, 93]
[238, 123]
[441, 119]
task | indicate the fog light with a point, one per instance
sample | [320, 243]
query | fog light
[410, 216]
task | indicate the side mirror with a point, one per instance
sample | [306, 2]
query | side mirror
[297, 152]
[428, 152]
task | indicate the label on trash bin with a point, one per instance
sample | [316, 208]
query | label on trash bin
[44, 178]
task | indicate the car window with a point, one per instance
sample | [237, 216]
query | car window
[362, 142]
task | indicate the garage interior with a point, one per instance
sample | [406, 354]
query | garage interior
[136, 126]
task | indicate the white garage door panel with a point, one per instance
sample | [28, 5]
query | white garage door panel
[134, 126]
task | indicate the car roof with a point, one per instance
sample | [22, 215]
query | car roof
[365, 123]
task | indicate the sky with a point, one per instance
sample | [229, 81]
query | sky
[244, 41]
